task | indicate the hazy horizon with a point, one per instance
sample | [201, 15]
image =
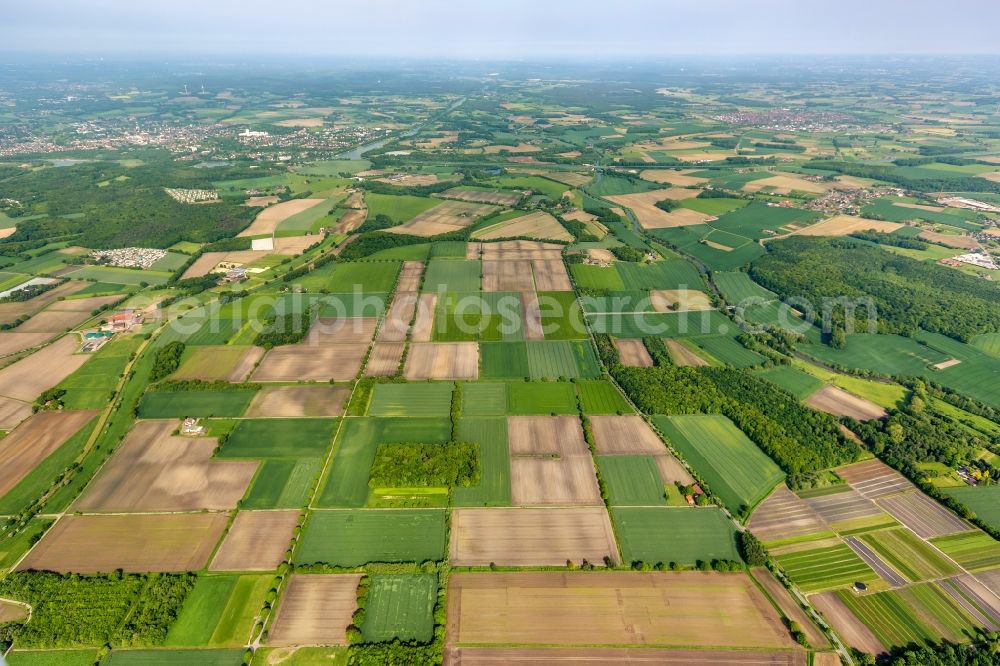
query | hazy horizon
[515, 29]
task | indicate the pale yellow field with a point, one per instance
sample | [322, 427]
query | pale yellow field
[539, 225]
[841, 225]
[786, 183]
[269, 218]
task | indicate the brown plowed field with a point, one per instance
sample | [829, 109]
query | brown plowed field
[675, 178]
[710, 610]
[13, 412]
[790, 607]
[53, 321]
[133, 543]
[633, 353]
[409, 276]
[11, 311]
[539, 225]
[257, 541]
[545, 436]
[473, 251]
[497, 198]
[837, 401]
[397, 320]
[443, 360]
[672, 471]
[626, 656]
[293, 245]
[568, 480]
[245, 365]
[682, 356]
[87, 305]
[156, 471]
[521, 249]
[26, 379]
[316, 609]
[923, 515]
[12, 342]
[311, 362]
[33, 441]
[550, 275]
[508, 276]
[532, 316]
[784, 515]
[298, 401]
[679, 300]
[843, 506]
[844, 622]
[445, 217]
[350, 221]
[384, 359]
[423, 325]
[341, 330]
[874, 479]
[842, 225]
[531, 537]
[643, 205]
[628, 434]
[268, 219]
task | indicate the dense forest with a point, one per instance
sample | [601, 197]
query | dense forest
[455, 464]
[907, 294]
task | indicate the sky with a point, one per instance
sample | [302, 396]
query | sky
[500, 29]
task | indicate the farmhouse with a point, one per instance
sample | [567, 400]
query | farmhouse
[123, 320]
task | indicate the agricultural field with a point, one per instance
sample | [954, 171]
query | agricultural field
[351, 538]
[648, 534]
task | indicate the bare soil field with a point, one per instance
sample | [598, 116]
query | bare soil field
[53, 321]
[513, 275]
[633, 353]
[679, 300]
[843, 506]
[790, 607]
[786, 183]
[298, 401]
[531, 315]
[350, 221]
[521, 249]
[842, 225]
[341, 330]
[300, 122]
[601, 255]
[545, 436]
[204, 264]
[566, 480]
[154, 470]
[12, 342]
[12, 412]
[923, 515]
[577, 215]
[267, 220]
[874, 479]
[442, 360]
[626, 435]
[245, 365]
[411, 179]
[11, 311]
[520, 148]
[311, 362]
[672, 471]
[423, 325]
[293, 245]
[397, 320]
[531, 537]
[837, 401]
[445, 217]
[784, 515]
[643, 205]
[675, 178]
[476, 196]
[539, 225]
[33, 441]
[316, 609]
[409, 276]
[571, 178]
[262, 202]
[134, 543]
[550, 275]
[473, 250]
[86, 305]
[682, 356]
[844, 622]
[913, 206]
[710, 610]
[944, 365]
[26, 379]
[576, 656]
[257, 541]
[12, 612]
[950, 240]
[384, 359]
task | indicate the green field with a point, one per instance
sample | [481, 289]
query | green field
[426, 399]
[219, 611]
[738, 472]
[663, 324]
[601, 397]
[180, 404]
[796, 382]
[987, 342]
[666, 274]
[826, 568]
[909, 555]
[562, 317]
[303, 656]
[974, 551]
[459, 275]
[632, 480]
[347, 483]
[308, 219]
[174, 657]
[484, 399]
[884, 394]
[728, 350]
[126, 276]
[683, 535]
[596, 277]
[552, 359]
[52, 658]
[540, 398]
[503, 360]
[400, 606]
[689, 240]
[984, 500]
[279, 438]
[494, 462]
[398, 207]
[282, 484]
[352, 538]
[737, 287]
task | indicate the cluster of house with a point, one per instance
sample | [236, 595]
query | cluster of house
[192, 196]
[129, 257]
[122, 321]
[979, 259]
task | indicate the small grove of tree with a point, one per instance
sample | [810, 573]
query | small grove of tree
[626, 253]
[166, 361]
[751, 550]
[432, 465]
[668, 205]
